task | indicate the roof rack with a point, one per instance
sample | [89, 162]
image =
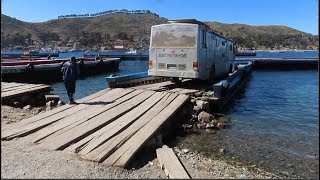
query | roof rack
[194, 21]
[191, 21]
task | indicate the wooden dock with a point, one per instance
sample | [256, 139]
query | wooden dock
[109, 126]
[11, 92]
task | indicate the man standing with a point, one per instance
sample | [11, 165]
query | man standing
[70, 72]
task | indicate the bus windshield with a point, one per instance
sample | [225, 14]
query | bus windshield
[173, 36]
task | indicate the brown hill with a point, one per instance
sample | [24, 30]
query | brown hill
[106, 29]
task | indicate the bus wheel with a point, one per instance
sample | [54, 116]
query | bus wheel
[212, 75]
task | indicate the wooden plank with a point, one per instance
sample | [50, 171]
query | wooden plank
[55, 111]
[31, 127]
[124, 154]
[90, 112]
[21, 86]
[20, 92]
[123, 122]
[103, 151]
[153, 86]
[6, 87]
[171, 164]
[189, 91]
[79, 132]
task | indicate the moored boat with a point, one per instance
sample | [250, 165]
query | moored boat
[43, 70]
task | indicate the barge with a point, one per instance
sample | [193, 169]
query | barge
[44, 70]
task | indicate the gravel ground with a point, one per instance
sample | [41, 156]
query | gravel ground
[22, 159]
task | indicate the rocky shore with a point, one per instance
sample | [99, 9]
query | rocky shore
[22, 159]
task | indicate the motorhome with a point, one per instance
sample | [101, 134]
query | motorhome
[189, 49]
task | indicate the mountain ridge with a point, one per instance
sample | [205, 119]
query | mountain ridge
[133, 30]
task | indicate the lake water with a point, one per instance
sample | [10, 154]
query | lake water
[274, 120]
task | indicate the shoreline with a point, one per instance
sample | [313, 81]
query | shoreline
[22, 159]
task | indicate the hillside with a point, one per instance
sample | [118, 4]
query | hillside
[133, 30]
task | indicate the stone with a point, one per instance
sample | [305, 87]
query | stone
[214, 122]
[210, 93]
[49, 104]
[203, 98]
[28, 107]
[289, 165]
[5, 116]
[203, 105]
[221, 150]
[60, 103]
[242, 176]
[185, 151]
[17, 104]
[192, 100]
[220, 125]
[22, 114]
[196, 108]
[210, 131]
[209, 125]
[223, 120]
[198, 94]
[205, 117]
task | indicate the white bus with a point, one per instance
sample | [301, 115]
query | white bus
[188, 49]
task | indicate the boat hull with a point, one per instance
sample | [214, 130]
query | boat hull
[47, 71]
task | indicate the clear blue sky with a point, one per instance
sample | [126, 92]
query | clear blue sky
[298, 14]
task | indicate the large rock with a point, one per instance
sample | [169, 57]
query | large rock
[221, 125]
[203, 105]
[205, 117]
[28, 107]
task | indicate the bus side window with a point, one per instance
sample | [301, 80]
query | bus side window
[230, 47]
[217, 44]
[204, 44]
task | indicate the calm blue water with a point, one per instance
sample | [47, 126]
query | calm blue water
[92, 84]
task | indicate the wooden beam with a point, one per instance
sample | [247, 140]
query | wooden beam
[123, 122]
[105, 150]
[91, 111]
[79, 132]
[171, 164]
[36, 124]
[124, 154]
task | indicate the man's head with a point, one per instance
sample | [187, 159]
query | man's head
[73, 59]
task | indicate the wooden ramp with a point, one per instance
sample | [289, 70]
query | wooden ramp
[109, 126]
[13, 90]
[169, 87]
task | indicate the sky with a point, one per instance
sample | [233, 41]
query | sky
[298, 14]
